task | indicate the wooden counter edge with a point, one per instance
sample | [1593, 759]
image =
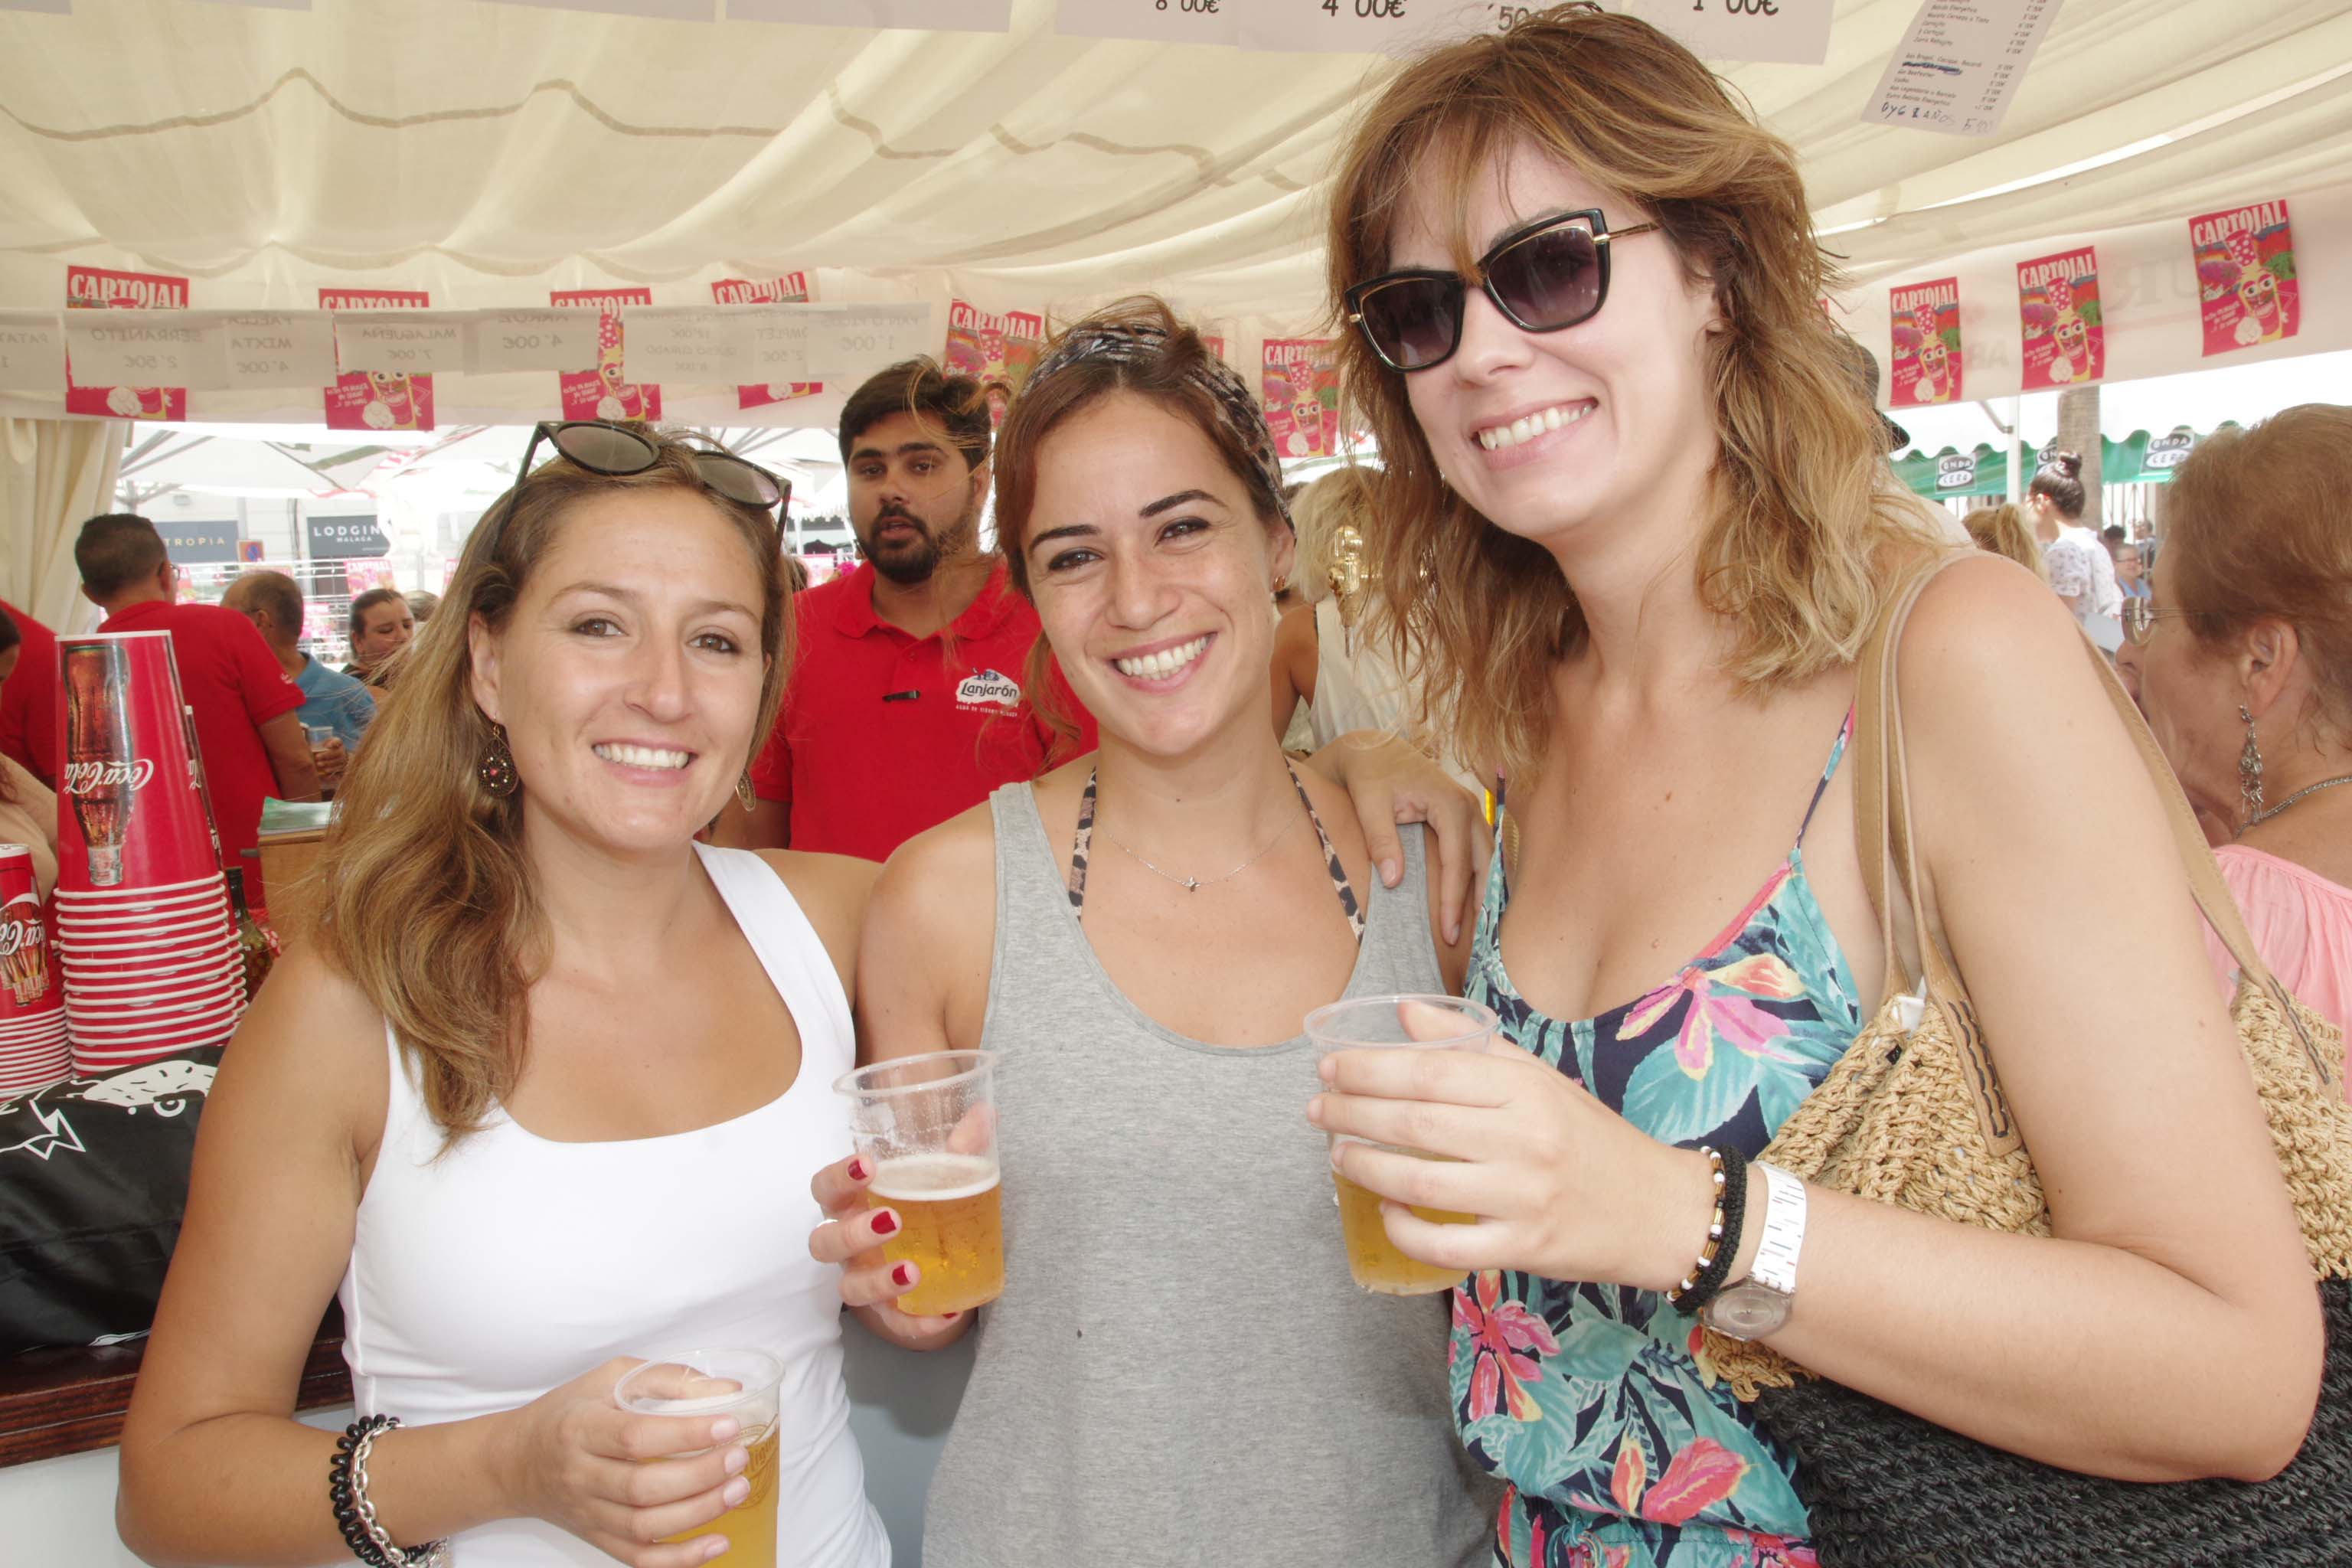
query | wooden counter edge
[71, 1399]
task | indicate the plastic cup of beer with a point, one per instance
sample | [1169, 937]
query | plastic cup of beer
[927, 1126]
[714, 1383]
[1378, 1022]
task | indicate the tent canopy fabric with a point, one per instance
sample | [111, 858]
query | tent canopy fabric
[489, 153]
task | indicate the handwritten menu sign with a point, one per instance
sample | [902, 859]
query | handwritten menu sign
[1959, 65]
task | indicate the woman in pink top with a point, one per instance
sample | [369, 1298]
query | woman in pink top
[2250, 693]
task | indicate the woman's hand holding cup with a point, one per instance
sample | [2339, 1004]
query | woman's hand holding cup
[573, 1457]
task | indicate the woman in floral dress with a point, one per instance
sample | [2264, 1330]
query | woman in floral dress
[1635, 529]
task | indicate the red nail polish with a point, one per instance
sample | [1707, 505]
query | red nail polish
[885, 1222]
[951, 1316]
[857, 1170]
[901, 1275]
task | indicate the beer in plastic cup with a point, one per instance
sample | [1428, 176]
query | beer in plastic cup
[1377, 1023]
[927, 1125]
[714, 1383]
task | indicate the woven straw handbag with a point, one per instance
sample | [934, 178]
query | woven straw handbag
[1913, 1115]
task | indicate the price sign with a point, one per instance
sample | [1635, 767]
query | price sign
[1959, 64]
[401, 343]
[1371, 26]
[780, 343]
[700, 346]
[145, 348]
[935, 16]
[849, 342]
[278, 348]
[1161, 21]
[557, 340]
[1781, 32]
[32, 352]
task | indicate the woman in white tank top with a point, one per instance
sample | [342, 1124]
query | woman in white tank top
[547, 1093]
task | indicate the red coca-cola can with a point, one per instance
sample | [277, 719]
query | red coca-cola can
[29, 986]
[130, 804]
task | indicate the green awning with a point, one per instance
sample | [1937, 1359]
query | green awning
[2139, 458]
[1952, 473]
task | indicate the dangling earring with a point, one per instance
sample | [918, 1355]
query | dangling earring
[497, 769]
[2249, 769]
[743, 792]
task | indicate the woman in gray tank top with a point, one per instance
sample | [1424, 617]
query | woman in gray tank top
[1181, 1371]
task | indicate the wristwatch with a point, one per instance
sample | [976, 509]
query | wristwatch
[1759, 1304]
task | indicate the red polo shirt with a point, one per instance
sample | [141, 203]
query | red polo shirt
[235, 685]
[883, 735]
[29, 700]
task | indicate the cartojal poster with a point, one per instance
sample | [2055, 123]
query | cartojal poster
[998, 350]
[378, 400]
[1927, 343]
[606, 393]
[792, 289]
[100, 288]
[2065, 331]
[1300, 387]
[2245, 277]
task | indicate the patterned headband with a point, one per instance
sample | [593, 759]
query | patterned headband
[1237, 411]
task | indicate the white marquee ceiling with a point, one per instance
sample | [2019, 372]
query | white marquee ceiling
[490, 153]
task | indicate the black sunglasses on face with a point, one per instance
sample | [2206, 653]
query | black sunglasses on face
[1544, 277]
[617, 452]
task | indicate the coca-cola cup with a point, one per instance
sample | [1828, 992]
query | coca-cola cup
[28, 972]
[130, 807]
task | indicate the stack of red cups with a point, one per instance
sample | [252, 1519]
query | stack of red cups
[33, 1053]
[143, 932]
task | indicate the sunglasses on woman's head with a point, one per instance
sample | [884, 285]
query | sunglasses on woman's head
[1544, 277]
[617, 452]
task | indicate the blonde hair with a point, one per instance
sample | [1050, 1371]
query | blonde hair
[2260, 524]
[429, 908]
[1340, 498]
[1810, 526]
[2002, 530]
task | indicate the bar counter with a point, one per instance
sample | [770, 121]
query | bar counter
[70, 1399]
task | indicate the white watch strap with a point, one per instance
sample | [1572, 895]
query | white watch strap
[1784, 1229]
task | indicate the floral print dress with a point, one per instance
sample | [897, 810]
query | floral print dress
[1620, 1449]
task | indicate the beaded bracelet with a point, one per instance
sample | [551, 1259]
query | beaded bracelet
[346, 1490]
[1712, 1271]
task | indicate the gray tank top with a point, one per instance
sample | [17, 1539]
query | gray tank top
[1181, 1372]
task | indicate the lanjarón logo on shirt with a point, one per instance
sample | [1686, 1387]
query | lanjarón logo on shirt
[987, 692]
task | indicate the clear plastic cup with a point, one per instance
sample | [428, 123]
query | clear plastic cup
[738, 1383]
[927, 1123]
[1378, 1022]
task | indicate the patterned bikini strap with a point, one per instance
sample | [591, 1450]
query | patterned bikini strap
[1083, 849]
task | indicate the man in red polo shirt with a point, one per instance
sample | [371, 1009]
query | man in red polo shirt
[253, 744]
[905, 705]
[28, 698]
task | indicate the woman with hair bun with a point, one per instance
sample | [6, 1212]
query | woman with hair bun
[2241, 658]
[2078, 566]
[1633, 531]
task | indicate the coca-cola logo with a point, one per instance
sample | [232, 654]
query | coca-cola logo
[89, 778]
[20, 936]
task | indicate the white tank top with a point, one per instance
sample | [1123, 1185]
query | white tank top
[483, 1279]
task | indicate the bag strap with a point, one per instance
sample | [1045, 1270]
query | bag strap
[1883, 815]
[2205, 882]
